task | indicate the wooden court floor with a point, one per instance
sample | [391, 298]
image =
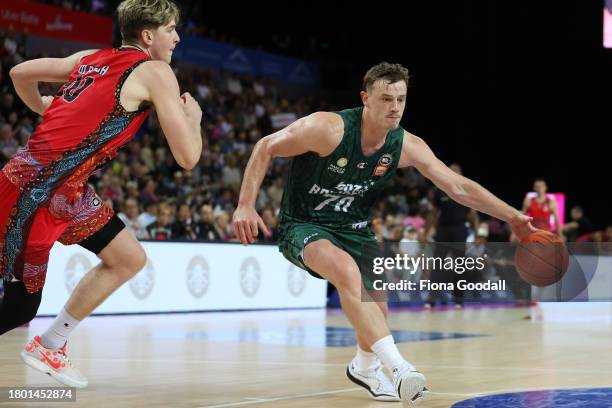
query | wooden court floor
[297, 358]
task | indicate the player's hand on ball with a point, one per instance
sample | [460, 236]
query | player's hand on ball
[521, 226]
[246, 223]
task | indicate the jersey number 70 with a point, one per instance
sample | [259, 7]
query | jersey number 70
[340, 205]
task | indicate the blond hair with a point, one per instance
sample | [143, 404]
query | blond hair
[137, 15]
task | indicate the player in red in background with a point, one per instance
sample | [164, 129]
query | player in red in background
[106, 96]
[541, 207]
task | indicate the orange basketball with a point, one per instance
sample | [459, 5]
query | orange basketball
[541, 258]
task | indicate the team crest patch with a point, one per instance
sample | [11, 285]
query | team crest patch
[383, 165]
[339, 167]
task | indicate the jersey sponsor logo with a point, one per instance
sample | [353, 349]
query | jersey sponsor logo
[342, 162]
[383, 165]
[362, 165]
[336, 169]
[309, 237]
[342, 188]
[359, 225]
[87, 69]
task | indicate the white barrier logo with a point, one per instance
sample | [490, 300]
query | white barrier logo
[76, 267]
[198, 276]
[250, 276]
[296, 280]
[142, 284]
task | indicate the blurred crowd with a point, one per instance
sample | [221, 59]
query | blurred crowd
[160, 201]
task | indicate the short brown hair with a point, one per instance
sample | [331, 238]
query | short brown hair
[137, 15]
[389, 72]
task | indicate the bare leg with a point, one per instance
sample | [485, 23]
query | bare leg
[122, 258]
[335, 265]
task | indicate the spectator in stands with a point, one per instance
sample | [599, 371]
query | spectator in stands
[130, 218]
[275, 192]
[147, 195]
[268, 217]
[8, 144]
[205, 229]
[222, 225]
[182, 227]
[131, 189]
[149, 215]
[8, 105]
[579, 226]
[231, 173]
[160, 229]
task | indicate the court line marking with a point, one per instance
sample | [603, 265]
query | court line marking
[282, 398]
[253, 401]
[305, 364]
[547, 388]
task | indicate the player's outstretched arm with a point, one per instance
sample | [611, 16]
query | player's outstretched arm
[179, 115]
[319, 132]
[415, 152]
[28, 74]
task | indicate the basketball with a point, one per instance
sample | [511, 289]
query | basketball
[541, 258]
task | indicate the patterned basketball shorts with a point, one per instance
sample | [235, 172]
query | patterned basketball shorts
[25, 242]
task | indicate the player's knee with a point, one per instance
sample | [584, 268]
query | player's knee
[130, 265]
[138, 261]
[347, 277]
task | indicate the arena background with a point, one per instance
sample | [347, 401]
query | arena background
[511, 92]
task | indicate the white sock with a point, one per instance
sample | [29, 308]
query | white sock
[57, 334]
[365, 360]
[388, 353]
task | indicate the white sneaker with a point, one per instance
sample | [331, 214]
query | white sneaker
[53, 362]
[376, 383]
[410, 384]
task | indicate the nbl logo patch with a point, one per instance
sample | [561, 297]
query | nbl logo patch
[383, 165]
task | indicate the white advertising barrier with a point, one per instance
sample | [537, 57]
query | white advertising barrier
[190, 277]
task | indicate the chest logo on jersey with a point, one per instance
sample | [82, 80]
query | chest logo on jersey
[86, 69]
[339, 167]
[362, 165]
[342, 188]
[383, 165]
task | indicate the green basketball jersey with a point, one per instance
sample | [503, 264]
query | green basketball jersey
[339, 190]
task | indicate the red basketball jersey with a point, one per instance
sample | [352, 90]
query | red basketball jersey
[82, 128]
[541, 213]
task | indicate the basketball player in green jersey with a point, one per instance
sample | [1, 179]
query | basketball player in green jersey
[341, 162]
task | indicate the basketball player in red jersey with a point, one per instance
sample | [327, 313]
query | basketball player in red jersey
[541, 207]
[106, 96]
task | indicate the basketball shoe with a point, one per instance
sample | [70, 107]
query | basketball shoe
[53, 362]
[374, 380]
[410, 384]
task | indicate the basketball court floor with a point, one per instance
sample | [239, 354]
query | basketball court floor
[551, 355]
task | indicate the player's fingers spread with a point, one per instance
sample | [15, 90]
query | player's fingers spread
[253, 229]
[263, 227]
[236, 225]
[240, 232]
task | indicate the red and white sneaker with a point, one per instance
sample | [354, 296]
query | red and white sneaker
[53, 362]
